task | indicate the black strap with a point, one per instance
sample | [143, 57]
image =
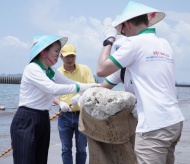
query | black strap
[122, 74]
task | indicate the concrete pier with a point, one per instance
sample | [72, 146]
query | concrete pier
[10, 80]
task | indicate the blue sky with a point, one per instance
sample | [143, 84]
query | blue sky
[82, 22]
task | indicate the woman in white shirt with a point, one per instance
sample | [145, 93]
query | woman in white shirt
[30, 128]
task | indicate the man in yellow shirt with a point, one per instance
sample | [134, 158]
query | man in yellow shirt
[68, 120]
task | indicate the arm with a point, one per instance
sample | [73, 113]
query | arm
[56, 101]
[37, 77]
[111, 80]
[106, 85]
[105, 66]
[62, 79]
[62, 105]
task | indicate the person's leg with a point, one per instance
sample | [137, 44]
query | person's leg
[153, 147]
[81, 142]
[30, 134]
[66, 135]
[42, 133]
[170, 157]
[22, 138]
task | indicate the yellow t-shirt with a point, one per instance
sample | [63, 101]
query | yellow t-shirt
[81, 74]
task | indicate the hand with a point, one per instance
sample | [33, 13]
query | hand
[134, 112]
[119, 28]
[84, 86]
[75, 99]
[64, 107]
[110, 31]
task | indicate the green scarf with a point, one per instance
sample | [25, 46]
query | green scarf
[49, 72]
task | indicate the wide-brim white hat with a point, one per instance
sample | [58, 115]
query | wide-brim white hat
[40, 42]
[134, 9]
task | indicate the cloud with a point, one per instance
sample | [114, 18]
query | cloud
[13, 54]
[178, 16]
[13, 42]
[85, 32]
[175, 29]
[44, 15]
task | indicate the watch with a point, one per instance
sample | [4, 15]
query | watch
[107, 42]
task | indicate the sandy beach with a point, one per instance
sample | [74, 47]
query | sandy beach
[182, 150]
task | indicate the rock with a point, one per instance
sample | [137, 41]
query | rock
[2, 108]
[102, 103]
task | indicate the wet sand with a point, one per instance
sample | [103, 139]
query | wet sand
[182, 150]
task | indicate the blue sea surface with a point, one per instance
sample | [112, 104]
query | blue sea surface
[9, 95]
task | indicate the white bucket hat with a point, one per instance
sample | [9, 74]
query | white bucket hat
[40, 42]
[134, 9]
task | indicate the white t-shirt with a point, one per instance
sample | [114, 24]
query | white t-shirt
[37, 90]
[115, 78]
[150, 62]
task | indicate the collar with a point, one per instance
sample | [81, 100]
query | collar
[76, 68]
[147, 31]
[49, 72]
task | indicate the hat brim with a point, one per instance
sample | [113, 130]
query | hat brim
[159, 16]
[68, 53]
[44, 42]
[134, 9]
